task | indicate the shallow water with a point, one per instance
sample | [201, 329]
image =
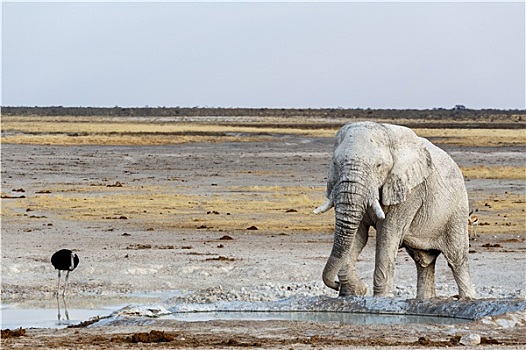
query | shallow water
[13, 318]
[358, 311]
[324, 317]
[47, 318]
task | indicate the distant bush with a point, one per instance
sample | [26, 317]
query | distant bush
[425, 114]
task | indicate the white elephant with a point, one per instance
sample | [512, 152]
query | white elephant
[411, 191]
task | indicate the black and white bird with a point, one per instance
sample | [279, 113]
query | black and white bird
[64, 260]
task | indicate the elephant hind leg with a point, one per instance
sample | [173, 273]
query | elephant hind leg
[425, 261]
[460, 269]
[456, 252]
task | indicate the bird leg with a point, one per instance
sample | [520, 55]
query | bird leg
[58, 308]
[65, 283]
[58, 283]
[65, 309]
[58, 293]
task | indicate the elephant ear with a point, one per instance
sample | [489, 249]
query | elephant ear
[411, 165]
[330, 180]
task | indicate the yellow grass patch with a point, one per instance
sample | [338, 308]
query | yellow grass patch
[108, 128]
[152, 130]
[147, 139]
[233, 208]
[499, 213]
[130, 131]
[475, 137]
[494, 172]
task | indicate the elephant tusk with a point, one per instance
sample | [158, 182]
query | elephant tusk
[324, 207]
[378, 210]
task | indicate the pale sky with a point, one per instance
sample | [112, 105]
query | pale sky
[266, 54]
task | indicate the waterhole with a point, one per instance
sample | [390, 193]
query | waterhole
[47, 318]
[324, 317]
[357, 311]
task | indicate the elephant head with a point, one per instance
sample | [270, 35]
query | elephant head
[374, 166]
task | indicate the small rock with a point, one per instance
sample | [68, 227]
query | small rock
[505, 323]
[147, 311]
[470, 339]
[7, 333]
[424, 341]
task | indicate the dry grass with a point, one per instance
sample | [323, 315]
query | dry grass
[499, 213]
[129, 131]
[494, 172]
[142, 131]
[233, 208]
[475, 137]
[109, 128]
[129, 140]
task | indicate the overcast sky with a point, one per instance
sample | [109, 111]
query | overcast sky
[351, 55]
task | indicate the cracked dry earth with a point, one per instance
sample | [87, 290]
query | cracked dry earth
[198, 223]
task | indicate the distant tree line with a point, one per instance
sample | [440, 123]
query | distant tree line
[427, 114]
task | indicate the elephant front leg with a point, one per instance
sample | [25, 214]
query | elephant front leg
[350, 282]
[387, 245]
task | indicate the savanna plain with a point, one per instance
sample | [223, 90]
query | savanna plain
[175, 210]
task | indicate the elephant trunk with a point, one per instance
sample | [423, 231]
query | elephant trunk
[330, 272]
[350, 202]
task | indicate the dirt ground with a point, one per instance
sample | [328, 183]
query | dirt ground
[200, 222]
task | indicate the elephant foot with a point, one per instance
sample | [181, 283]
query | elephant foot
[346, 290]
[462, 297]
[426, 294]
[383, 294]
